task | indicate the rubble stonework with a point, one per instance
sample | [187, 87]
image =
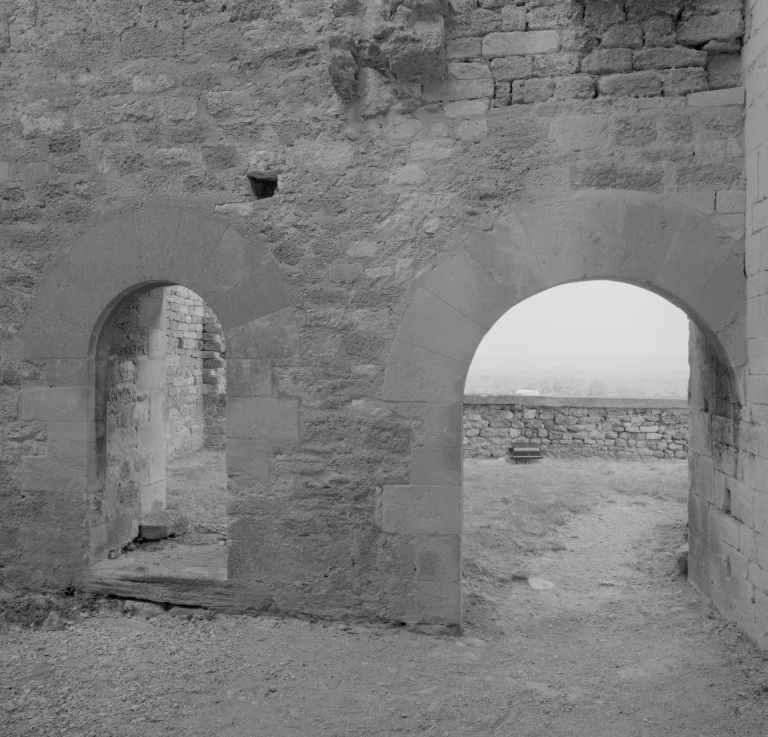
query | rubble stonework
[569, 427]
[195, 400]
[355, 248]
[565, 49]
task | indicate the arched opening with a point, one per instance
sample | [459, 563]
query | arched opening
[624, 236]
[160, 382]
[575, 425]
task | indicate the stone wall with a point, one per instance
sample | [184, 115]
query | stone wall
[566, 427]
[127, 468]
[523, 53]
[358, 214]
[195, 371]
[728, 505]
[130, 413]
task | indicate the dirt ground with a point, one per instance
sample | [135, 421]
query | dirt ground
[619, 646]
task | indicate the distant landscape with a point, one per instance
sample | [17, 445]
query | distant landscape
[647, 377]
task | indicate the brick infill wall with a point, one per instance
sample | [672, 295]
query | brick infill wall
[565, 427]
[196, 376]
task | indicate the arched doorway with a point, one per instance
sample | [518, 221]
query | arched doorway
[132, 254]
[623, 236]
[591, 380]
[160, 382]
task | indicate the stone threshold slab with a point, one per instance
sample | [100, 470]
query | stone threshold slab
[182, 576]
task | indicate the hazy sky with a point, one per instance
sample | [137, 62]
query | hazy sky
[592, 318]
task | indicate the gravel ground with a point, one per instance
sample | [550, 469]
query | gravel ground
[619, 646]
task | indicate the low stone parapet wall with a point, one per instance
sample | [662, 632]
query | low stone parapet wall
[576, 426]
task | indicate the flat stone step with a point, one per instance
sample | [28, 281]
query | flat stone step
[186, 575]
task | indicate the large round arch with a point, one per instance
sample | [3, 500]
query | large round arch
[118, 259]
[642, 239]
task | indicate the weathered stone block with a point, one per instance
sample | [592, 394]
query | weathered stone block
[511, 68]
[577, 39]
[150, 373]
[532, 90]
[668, 58]
[640, 10]
[249, 377]
[435, 325]
[475, 23]
[513, 18]
[730, 201]
[659, 31]
[623, 35]
[555, 65]
[421, 510]
[58, 474]
[70, 439]
[62, 298]
[469, 70]
[459, 109]
[520, 44]
[56, 404]
[553, 16]
[678, 82]
[414, 55]
[698, 518]
[502, 94]
[636, 84]
[427, 602]
[607, 176]
[45, 337]
[249, 458]
[463, 48]
[264, 419]
[699, 29]
[725, 527]
[436, 557]
[605, 61]
[602, 14]
[161, 525]
[724, 71]
[577, 87]
[439, 466]
[458, 89]
[150, 436]
[273, 336]
[417, 374]
[748, 547]
[577, 133]
[66, 372]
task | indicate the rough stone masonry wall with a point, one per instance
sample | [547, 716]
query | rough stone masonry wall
[129, 462]
[195, 375]
[728, 506]
[381, 160]
[526, 52]
[127, 469]
[569, 427]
